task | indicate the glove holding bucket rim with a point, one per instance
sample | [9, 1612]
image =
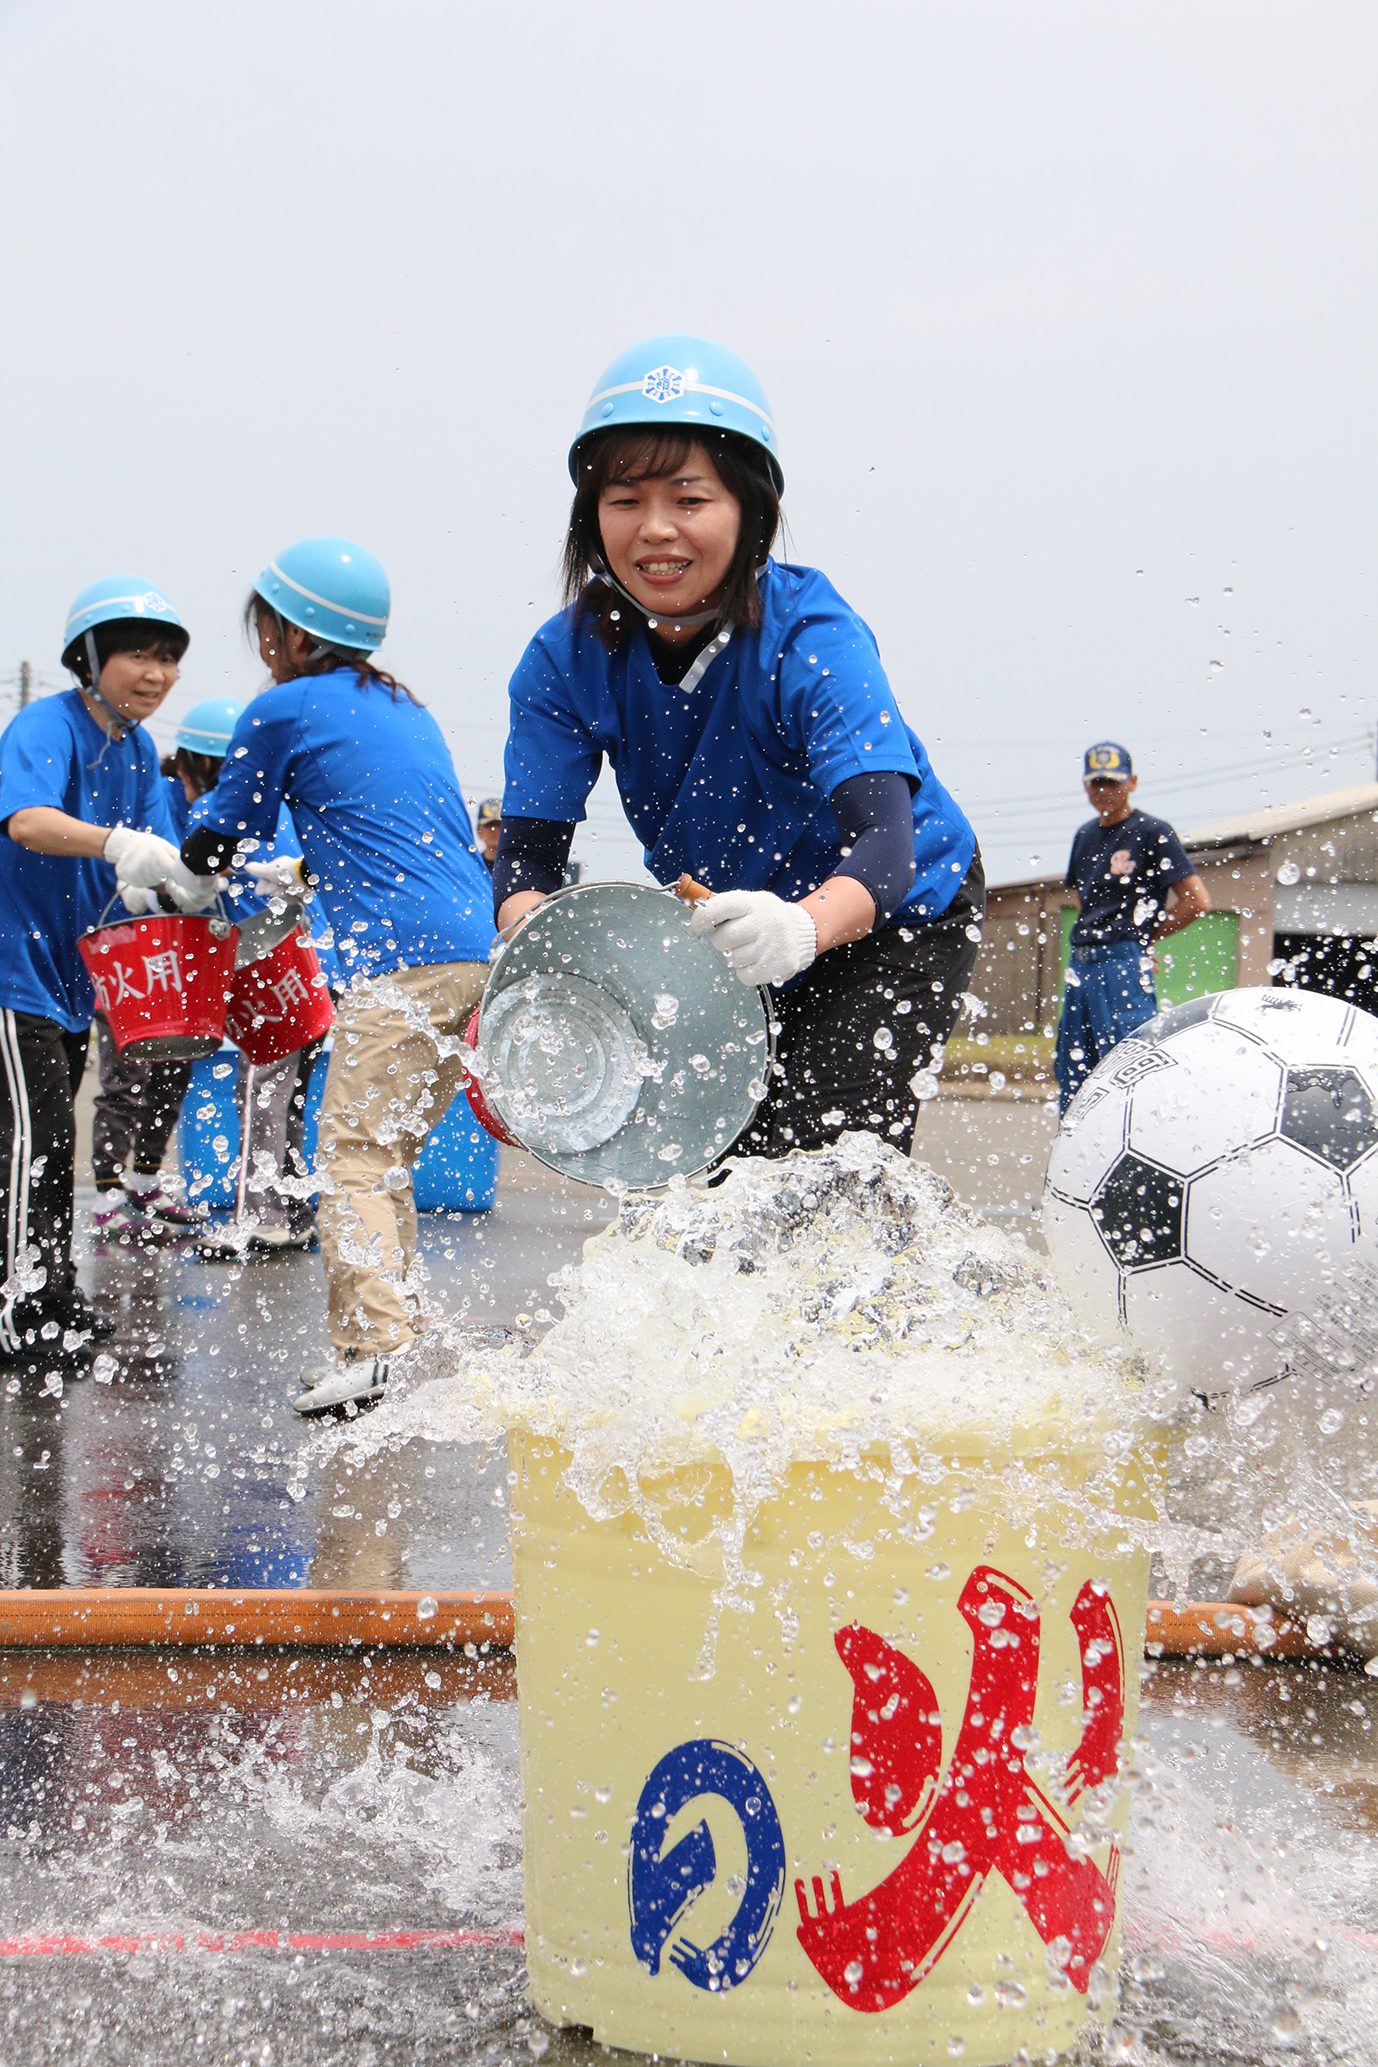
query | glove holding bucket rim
[756, 743]
[764, 939]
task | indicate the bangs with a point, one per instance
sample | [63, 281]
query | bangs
[635, 455]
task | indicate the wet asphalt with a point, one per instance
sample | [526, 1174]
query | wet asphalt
[169, 1462]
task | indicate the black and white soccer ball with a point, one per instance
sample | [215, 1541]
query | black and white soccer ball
[1213, 1188]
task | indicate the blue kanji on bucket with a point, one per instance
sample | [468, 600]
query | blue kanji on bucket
[660, 1889]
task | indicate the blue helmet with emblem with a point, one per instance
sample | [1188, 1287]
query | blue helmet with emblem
[208, 726]
[680, 380]
[119, 599]
[332, 588]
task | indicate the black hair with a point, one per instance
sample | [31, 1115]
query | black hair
[125, 635]
[632, 454]
[204, 769]
[327, 658]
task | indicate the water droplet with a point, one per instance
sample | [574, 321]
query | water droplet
[426, 1607]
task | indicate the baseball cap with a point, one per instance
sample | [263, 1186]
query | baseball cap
[489, 811]
[1106, 762]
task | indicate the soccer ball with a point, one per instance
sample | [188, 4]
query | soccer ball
[1213, 1188]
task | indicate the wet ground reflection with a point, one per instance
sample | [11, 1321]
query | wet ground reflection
[170, 1463]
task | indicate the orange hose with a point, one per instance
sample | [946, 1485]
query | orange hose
[296, 1615]
[307, 1618]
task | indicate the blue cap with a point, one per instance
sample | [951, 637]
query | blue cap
[116, 600]
[208, 727]
[332, 588]
[686, 381]
[1106, 762]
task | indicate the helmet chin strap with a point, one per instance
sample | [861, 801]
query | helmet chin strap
[119, 726]
[655, 617]
[119, 722]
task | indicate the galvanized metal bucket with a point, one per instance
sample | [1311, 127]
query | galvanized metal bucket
[616, 1044]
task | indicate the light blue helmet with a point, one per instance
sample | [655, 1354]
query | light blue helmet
[681, 380]
[116, 600]
[208, 726]
[331, 588]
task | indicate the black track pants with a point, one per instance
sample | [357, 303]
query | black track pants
[137, 1107]
[41, 1066]
[861, 1023]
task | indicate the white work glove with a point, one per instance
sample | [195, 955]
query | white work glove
[141, 859]
[190, 892]
[137, 901]
[765, 938]
[281, 877]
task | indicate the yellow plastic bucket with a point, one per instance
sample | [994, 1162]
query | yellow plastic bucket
[855, 1840]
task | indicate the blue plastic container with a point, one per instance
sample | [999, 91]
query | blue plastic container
[458, 1168]
[457, 1171]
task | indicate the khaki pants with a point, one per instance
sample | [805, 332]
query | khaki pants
[388, 1085]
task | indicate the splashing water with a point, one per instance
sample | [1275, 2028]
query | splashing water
[838, 1307]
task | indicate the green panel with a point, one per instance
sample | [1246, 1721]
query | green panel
[1203, 956]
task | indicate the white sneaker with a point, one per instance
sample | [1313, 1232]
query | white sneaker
[276, 1240]
[359, 1383]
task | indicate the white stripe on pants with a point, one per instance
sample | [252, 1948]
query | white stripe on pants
[21, 1167]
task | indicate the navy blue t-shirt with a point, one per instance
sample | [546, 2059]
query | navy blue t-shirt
[377, 808]
[54, 753]
[730, 782]
[1121, 874]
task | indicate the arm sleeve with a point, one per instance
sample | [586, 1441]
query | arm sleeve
[551, 760]
[836, 700]
[34, 767]
[532, 853]
[1174, 862]
[875, 816]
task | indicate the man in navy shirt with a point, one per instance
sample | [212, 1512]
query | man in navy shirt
[1123, 864]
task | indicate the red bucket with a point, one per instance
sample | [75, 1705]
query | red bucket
[280, 1002]
[483, 1112]
[163, 983]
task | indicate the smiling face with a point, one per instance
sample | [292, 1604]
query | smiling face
[670, 542]
[135, 684]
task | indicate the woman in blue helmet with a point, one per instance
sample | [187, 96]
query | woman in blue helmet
[84, 816]
[389, 850]
[140, 1096]
[757, 747]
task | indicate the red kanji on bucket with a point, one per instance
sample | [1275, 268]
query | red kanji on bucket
[279, 1003]
[984, 1815]
[163, 979]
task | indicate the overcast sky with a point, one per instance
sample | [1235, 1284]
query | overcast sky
[1066, 312]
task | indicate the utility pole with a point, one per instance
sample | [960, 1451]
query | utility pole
[25, 682]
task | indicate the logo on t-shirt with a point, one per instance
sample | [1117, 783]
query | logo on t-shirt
[663, 384]
[1122, 863]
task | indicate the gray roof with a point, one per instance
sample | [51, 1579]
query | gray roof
[1249, 827]
[1267, 822]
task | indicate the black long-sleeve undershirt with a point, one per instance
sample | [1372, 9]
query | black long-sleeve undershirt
[874, 816]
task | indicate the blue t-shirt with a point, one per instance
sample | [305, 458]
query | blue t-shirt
[243, 900]
[55, 753]
[731, 781]
[1121, 875]
[179, 810]
[377, 808]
